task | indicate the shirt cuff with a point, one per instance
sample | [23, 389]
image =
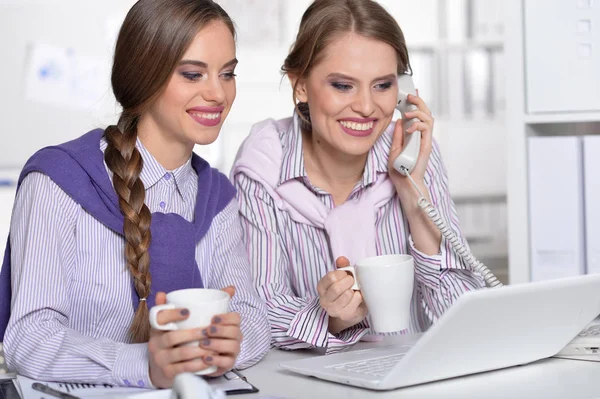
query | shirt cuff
[311, 325]
[132, 368]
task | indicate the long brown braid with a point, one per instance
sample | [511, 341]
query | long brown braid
[151, 42]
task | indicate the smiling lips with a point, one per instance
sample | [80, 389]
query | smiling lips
[207, 116]
[358, 127]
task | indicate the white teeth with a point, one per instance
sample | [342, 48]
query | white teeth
[357, 126]
[207, 116]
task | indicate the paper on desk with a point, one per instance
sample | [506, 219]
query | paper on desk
[92, 391]
[81, 390]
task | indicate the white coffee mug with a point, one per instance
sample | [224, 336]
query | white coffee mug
[202, 303]
[386, 283]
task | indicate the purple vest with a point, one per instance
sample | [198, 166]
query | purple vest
[77, 167]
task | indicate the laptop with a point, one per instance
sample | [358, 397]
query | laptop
[484, 330]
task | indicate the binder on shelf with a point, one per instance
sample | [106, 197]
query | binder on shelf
[591, 167]
[557, 240]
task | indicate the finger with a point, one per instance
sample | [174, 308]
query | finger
[420, 115]
[418, 101]
[230, 290]
[337, 289]
[160, 298]
[351, 310]
[185, 353]
[222, 362]
[342, 261]
[190, 366]
[397, 139]
[175, 338]
[221, 346]
[220, 331]
[335, 308]
[172, 315]
[419, 126]
[227, 319]
[328, 280]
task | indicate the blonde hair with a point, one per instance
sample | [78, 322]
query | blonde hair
[324, 21]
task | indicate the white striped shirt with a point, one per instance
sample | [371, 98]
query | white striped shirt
[71, 290]
[289, 258]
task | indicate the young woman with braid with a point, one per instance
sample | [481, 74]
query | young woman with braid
[104, 225]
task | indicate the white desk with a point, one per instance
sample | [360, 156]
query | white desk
[549, 378]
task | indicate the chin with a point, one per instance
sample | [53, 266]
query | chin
[204, 136]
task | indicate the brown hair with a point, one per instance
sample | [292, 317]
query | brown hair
[151, 42]
[324, 21]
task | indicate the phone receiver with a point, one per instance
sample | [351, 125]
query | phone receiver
[406, 161]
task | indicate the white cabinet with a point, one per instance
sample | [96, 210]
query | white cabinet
[562, 55]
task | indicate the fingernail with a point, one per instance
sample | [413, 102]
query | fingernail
[205, 342]
[184, 312]
[208, 359]
[217, 320]
[204, 332]
[213, 329]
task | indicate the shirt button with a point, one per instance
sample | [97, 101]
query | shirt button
[162, 204]
[167, 176]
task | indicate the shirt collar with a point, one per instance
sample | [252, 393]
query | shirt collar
[293, 167]
[153, 172]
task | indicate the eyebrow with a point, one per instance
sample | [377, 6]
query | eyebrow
[336, 75]
[203, 64]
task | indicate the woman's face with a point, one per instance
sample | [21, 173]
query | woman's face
[351, 93]
[200, 92]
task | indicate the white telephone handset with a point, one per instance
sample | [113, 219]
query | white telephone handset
[406, 161]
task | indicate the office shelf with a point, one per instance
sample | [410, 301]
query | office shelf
[562, 117]
[520, 126]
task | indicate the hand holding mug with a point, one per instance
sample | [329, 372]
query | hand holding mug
[387, 283]
[344, 306]
[167, 354]
[193, 331]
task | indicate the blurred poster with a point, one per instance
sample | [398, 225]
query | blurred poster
[60, 76]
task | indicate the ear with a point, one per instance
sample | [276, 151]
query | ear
[300, 89]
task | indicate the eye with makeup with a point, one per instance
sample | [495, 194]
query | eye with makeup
[341, 86]
[191, 76]
[383, 86]
[228, 75]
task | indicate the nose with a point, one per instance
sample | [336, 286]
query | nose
[214, 91]
[363, 103]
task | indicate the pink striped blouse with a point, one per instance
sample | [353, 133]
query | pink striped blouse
[289, 258]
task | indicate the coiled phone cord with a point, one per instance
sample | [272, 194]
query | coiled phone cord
[460, 249]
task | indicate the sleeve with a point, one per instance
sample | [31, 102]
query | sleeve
[40, 342]
[445, 276]
[296, 322]
[229, 266]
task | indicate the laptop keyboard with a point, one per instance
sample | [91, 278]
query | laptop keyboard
[377, 366]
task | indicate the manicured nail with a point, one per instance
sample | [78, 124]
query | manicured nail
[217, 320]
[205, 333]
[184, 312]
[208, 359]
[213, 329]
[205, 342]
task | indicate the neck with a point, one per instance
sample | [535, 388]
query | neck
[170, 153]
[332, 170]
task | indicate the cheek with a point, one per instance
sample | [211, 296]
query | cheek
[231, 94]
[176, 97]
[329, 104]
